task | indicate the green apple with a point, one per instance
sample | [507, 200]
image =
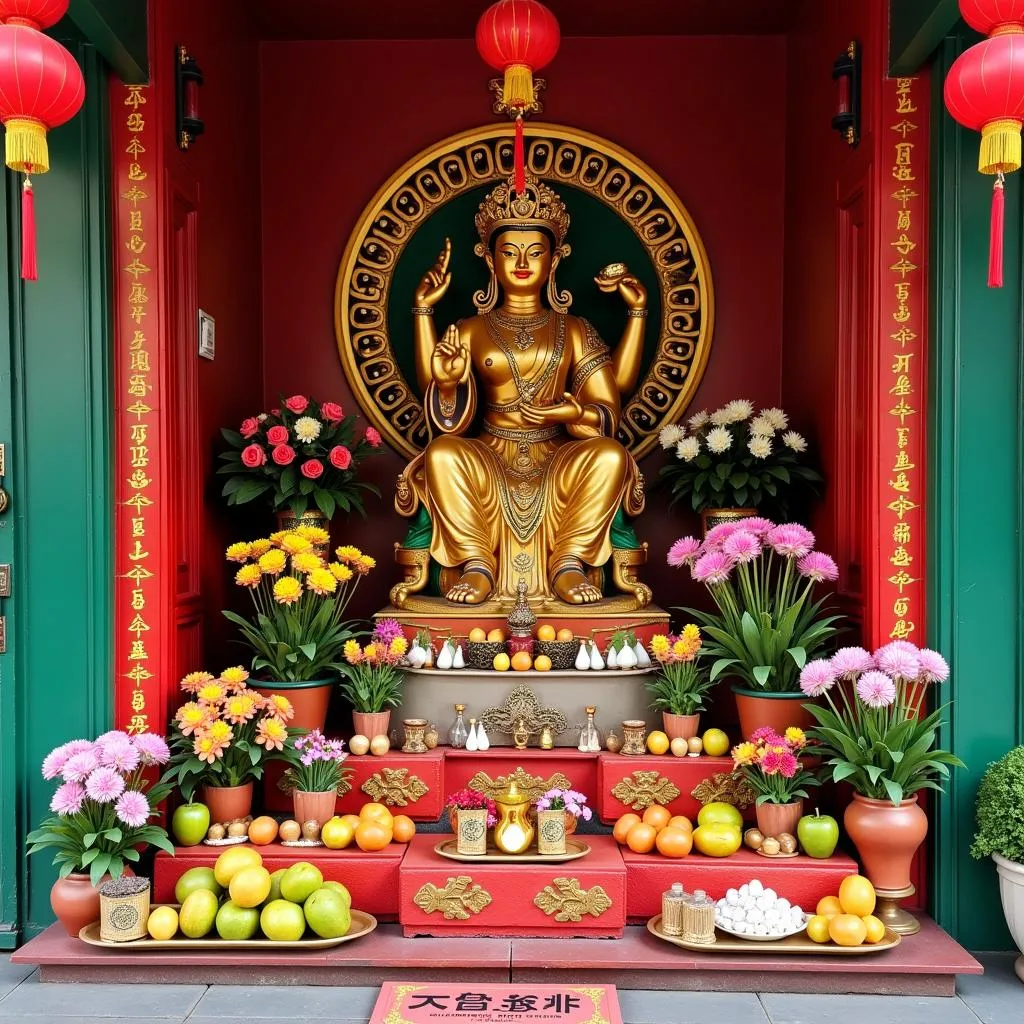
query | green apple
[190, 823]
[818, 834]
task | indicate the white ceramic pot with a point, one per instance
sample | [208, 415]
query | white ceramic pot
[1011, 891]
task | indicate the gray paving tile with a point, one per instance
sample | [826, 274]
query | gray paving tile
[997, 996]
[829, 1009]
[264, 1002]
[640, 1006]
[48, 1018]
[91, 1001]
[12, 975]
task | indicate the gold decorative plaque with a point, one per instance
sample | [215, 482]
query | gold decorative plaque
[459, 897]
[395, 787]
[644, 788]
[726, 787]
[565, 158]
[569, 902]
[522, 704]
[533, 785]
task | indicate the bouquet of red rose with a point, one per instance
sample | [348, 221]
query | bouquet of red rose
[304, 453]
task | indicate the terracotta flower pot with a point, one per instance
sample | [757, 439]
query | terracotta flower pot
[886, 838]
[370, 725]
[227, 803]
[571, 821]
[309, 699]
[777, 710]
[76, 901]
[774, 819]
[318, 807]
[680, 727]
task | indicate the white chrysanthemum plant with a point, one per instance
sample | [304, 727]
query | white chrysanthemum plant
[736, 457]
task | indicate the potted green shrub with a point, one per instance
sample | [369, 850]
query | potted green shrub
[1000, 835]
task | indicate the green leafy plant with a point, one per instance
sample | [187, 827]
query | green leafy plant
[318, 766]
[1000, 809]
[373, 677]
[682, 683]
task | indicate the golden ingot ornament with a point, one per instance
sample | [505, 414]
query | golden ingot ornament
[514, 832]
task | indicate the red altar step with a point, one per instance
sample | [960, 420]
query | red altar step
[371, 878]
[585, 897]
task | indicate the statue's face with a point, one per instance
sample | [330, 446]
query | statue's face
[522, 260]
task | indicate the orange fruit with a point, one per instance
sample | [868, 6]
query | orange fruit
[641, 838]
[478, 635]
[657, 816]
[351, 819]
[495, 634]
[623, 825]
[857, 896]
[262, 830]
[546, 633]
[829, 906]
[658, 742]
[680, 821]
[404, 828]
[376, 812]
[564, 636]
[674, 842]
[875, 929]
[817, 928]
[847, 930]
[372, 835]
[542, 663]
[521, 661]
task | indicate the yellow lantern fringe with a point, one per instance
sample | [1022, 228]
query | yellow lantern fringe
[1000, 147]
[518, 94]
[25, 145]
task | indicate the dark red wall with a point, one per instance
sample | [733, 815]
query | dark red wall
[707, 113]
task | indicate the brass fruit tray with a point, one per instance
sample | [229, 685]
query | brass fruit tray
[362, 924]
[574, 849]
[555, 673]
[795, 945]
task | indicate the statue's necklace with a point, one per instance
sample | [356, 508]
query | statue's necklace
[527, 387]
[522, 327]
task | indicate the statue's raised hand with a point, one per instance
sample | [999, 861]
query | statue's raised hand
[435, 281]
[634, 294]
[450, 360]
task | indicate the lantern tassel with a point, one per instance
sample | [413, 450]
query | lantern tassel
[29, 269]
[995, 240]
[519, 157]
[518, 91]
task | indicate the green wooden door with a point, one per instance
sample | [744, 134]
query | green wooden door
[55, 397]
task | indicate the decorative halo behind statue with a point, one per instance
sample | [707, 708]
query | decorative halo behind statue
[581, 166]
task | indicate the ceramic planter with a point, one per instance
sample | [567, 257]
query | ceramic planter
[777, 710]
[680, 727]
[1011, 892]
[886, 838]
[309, 699]
[371, 724]
[76, 901]
[318, 807]
[228, 803]
[774, 819]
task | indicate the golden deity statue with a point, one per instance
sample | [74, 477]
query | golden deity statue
[533, 496]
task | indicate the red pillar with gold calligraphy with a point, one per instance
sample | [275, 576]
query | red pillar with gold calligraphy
[141, 592]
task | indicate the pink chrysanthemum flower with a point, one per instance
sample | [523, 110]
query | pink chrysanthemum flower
[132, 808]
[79, 766]
[898, 662]
[934, 667]
[152, 748]
[757, 525]
[764, 735]
[683, 552]
[719, 534]
[53, 763]
[789, 765]
[818, 566]
[120, 755]
[742, 546]
[771, 763]
[876, 689]
[816, 677]
[791, 540]
[849, 662]
[104, 785]
[110, 736]
[712, 567]
[68, 799]
[78, 747]
[386, 630]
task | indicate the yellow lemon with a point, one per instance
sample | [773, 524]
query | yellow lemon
[817, 928]
[233, 860]
[717, 840]
[546, 633]
[163, 924]
[657, 742]
[857, 896]
[828, 906]
[716, 743]
[542, 663]
[875, 929]
[502, 662]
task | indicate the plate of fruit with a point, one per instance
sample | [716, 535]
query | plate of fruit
[756, 912]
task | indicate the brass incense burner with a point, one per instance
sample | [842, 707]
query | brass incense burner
[514, 831]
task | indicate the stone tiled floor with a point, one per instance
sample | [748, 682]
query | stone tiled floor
[997, 997]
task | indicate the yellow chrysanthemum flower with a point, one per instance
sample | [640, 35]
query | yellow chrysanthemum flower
[240, 709]
[294, 544]
[348, 553]
[194, 680]
[281, 706]
[277, 536]
[660, 644]
[249, 575]
[211, 692]
[220, 731]
[399, 646]
[191, 717]
[744, 753]
[287, 590]
[353, 652]
[272, 733]
[691, 633]
[370, 652]
[364, 563]
[321, 581]
[305, 561]
[259, 547]
[314, 534]
[342, 573]
[796, 736]
[206, 749]
[234, 675]
[273, 562]
[238, 552]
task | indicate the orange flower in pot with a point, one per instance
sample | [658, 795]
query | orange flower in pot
[682, 684]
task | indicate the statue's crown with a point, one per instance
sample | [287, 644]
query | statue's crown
[537, 206]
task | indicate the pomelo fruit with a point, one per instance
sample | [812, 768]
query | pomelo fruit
[300, 881]
[193, 879]
[327, 913]
[232, 860]
[716, 742]
[282, 921]
[250, 887]
[235, 923]
[719, 813]
[717, 840]
[197, 913]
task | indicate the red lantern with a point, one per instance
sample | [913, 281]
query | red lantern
[518, 37]
[984, 91]
[41, 86]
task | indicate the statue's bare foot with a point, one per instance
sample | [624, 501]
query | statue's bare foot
[574, 588]
[473, 588]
